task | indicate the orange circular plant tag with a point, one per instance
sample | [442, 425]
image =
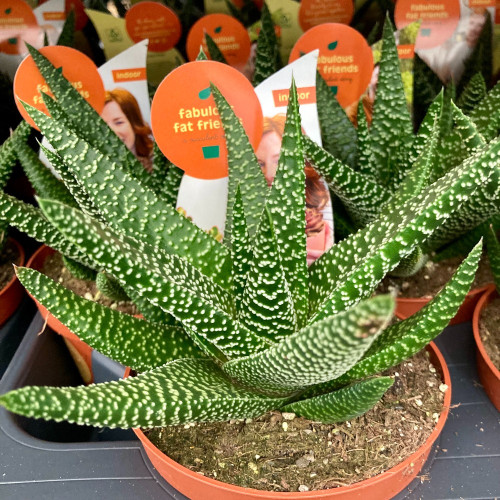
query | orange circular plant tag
[345, 59]
[75, 66]
[17, 24]
[439, 19]
[185, 119]
[229, 34]
[156, 22]
[315, 12]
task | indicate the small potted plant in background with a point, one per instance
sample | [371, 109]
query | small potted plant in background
[11, 252]
[260, 331]
[485, 325]
[367, 167]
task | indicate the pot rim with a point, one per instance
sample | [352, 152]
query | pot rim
[443, 369]
[483, 302]
[423, 300]
[22, 257]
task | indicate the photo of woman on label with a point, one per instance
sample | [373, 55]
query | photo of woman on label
[319, 217]
[123, 115]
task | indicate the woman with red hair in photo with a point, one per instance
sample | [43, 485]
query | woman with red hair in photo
[123, 115]
[318, 230]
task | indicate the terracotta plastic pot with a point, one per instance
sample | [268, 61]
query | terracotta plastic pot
[12, 293]
[80, 351]
[406, 307]
[380, 487]
[489, 375]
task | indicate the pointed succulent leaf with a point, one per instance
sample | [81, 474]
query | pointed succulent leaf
[486, 115]
[473, 94]
[30, 220]
[426, 87]
[110, 288]
[171, 184]
[417, 178]
[184, 391]
[149, 273]
[286, 203]
[241, 249]
[46, 185]
[410, 264]
[151, 313]
[201, 55]
[361, 195]
[130, 207]
[8, 155]
[404, 339]
[426, 128]
[351, 269]
[318, 353]
[265, 59]
[466, 128]
[266, 304]
[391, 128]
[160, 168]
[67, 36]
[269, 28]
[77, 193]
[79, 271]
[482, 204]
[244, 170]
[337, 132]
[344, 404]
[364, 162]
[213, 50]
[128, 340]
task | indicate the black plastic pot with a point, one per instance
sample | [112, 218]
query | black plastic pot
[58, 461]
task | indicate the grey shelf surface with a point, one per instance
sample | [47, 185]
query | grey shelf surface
[58, 461]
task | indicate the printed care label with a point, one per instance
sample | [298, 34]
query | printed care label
[439, 19]
[315, 12]
[154, 21]
[229, 34]
[345, 59]
[17, 23]
[75, 67]
[188, 130]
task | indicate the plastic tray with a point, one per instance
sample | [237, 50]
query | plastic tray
[58, 461]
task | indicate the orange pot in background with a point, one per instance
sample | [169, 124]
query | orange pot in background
[12, 293]
[380, 487]
[80, 351]
[406, 307]
[489, 375]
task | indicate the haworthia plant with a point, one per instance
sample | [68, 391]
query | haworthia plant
[376, 168]
[260, 331]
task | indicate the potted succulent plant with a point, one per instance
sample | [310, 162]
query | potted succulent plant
[11, 252]
[257, 329]
[485, 328]
[368, 167]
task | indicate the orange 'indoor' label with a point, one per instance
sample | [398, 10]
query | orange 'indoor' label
[188, 129]
[76, 67]
[345, 59]
[306, 95]
[129, 75]
[406, 51]
[54, 16]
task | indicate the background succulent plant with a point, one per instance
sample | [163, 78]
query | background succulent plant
[372, 168]
[256, 329]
